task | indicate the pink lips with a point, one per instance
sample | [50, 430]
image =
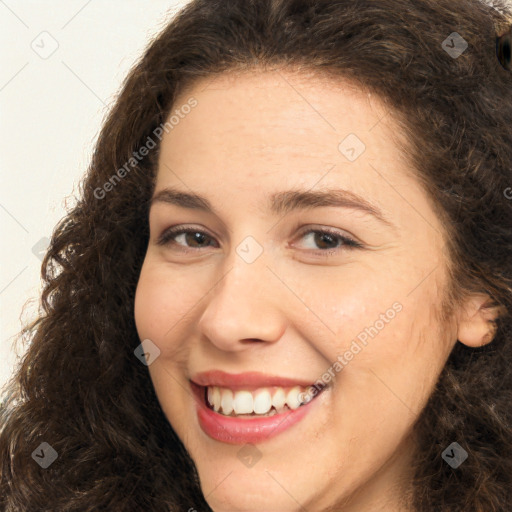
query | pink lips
[247, 380]
[234, 430]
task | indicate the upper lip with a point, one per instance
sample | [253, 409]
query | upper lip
[246, 380]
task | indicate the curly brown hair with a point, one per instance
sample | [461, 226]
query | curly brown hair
[79, 386]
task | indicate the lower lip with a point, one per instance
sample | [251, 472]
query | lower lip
[232, 430]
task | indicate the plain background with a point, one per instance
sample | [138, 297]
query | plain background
[63, 62]
[51, 110]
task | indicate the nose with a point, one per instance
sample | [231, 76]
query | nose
[244, 307]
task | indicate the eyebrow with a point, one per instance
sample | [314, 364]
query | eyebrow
[279, 203]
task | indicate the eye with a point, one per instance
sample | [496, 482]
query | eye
[187, 235]
[326, 240]
[329, 240]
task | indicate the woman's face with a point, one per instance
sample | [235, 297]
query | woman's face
[279, 158]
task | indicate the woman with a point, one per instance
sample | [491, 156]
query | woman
[202, 348]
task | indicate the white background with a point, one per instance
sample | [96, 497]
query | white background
[51, 110]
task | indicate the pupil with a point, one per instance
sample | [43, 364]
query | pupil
[197, 237]
[321, 237]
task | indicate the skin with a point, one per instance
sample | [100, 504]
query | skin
[250, 135]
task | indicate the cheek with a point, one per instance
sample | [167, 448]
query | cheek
[350, 306]
[166, 302]
[158, 305]
[147, 307]
[378, 329]
[394, 366]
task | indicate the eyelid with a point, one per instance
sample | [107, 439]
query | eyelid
[338, 232]
[179, 229]
[347, 240]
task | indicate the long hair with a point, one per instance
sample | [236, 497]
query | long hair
[79, 387]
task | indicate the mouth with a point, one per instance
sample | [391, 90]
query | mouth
[237, 415]
[266, 401]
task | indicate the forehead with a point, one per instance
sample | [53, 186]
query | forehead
[283, 94]
[275, 116]
[254, 133]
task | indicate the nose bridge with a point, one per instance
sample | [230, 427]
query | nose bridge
[243, 305]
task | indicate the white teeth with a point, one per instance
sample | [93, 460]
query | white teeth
[292, 398]
[243, 403]
[265, 401]
[279, 399]
[216, 399]
[227, 401]
[262, 401]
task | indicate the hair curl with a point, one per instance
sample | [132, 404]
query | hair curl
[79, 386]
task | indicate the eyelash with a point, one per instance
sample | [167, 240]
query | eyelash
[346, 242]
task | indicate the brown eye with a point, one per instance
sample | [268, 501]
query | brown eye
[192, 238]
[326, 241]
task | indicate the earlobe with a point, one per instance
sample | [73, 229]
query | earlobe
[476, 321]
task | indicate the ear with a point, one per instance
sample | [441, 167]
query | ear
[476, 319]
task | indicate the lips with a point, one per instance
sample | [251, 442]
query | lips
[247, 380]
[242, 429]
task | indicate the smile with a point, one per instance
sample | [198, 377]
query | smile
[263, 401]
[238, 414]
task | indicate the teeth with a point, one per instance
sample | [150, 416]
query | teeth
[279, 399]
[209, 396]
[292, 398]
[215, 399]
[226, 402]
[262, 401]
[265, 401]
[243, 403]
